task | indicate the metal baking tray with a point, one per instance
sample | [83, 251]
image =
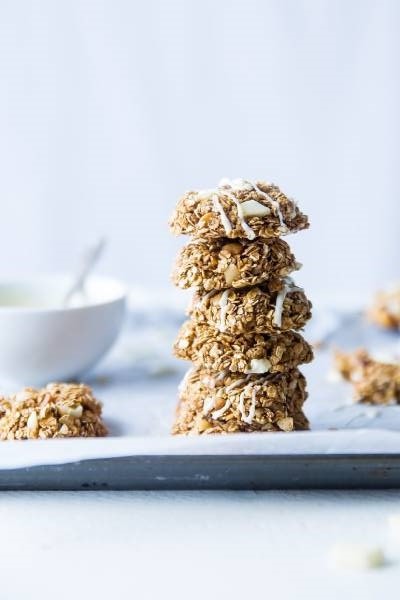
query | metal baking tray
[350, 446]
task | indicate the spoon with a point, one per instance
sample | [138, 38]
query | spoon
[88, 260]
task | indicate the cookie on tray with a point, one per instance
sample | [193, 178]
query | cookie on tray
[57, 411]
[223, 263]
[385, 310]
[374, 382]
[261, 309]
[237, 209]
[248, 353]
[232, 403]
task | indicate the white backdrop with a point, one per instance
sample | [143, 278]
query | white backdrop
[110, 109]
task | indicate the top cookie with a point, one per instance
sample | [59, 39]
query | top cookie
[237, 209]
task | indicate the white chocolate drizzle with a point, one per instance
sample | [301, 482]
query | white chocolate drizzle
[252, 410]
[245, 226]
[223, 304]
[218, 413]
[288, 286]
[226, 224]
[203, 299]
[208, 404]
[221, 376]
[235, 384]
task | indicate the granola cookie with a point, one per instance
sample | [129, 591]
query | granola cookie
[385, 310]
[374, 382]
[231, 403]
[220, 264]
[237, 209]
[58, 410]
[260, 309]
[247, 353]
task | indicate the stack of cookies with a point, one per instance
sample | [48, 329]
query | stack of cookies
[242, 336]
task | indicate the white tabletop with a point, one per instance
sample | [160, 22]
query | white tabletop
[193, 544]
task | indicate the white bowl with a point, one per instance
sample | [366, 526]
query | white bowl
[43, 342]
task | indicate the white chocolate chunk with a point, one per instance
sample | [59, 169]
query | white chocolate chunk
[259, 365]
[252, 208]
[355, 556]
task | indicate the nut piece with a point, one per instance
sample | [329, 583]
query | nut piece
[231, 273]
[231, 249]
[32, 425]
[286, 424]
[71, 411]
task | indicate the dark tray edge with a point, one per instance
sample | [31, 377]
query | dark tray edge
[229, 472]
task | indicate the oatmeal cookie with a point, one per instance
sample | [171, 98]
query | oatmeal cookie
[231, 403]
[374, 382]
[385, 310]
[58, 410]
[237, 209]
[220, 264]
[260, 309]
[247, 353]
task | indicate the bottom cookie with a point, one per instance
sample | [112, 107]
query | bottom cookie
[232, 403]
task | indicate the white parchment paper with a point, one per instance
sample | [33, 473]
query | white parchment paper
[138, 381]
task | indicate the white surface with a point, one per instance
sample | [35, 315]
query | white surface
[43, 341]
[109, 110]
[198, 545]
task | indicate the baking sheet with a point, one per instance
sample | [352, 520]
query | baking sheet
[137, 384]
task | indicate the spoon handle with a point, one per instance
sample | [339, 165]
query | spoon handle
[89, 259]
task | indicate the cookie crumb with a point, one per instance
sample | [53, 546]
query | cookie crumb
[373, 382]
[385, 309]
